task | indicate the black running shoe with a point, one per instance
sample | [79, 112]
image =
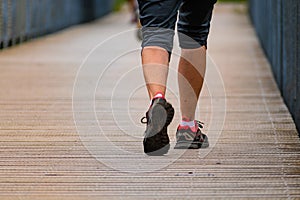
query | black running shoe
[158, 117]
[191, 139]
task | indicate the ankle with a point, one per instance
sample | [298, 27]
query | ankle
[188, 123]
[159, 95]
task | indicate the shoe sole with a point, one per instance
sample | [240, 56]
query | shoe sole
[160, 117]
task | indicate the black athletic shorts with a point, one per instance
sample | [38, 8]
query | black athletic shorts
[159, 17]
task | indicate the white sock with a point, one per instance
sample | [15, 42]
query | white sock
[159, 95]
[187, 123]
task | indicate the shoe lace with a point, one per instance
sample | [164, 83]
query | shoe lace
[199, 123]
[144, 120]
[199, 135]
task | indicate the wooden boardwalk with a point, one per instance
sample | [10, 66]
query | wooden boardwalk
[70, 129]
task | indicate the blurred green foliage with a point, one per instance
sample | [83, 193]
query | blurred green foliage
[118, 4]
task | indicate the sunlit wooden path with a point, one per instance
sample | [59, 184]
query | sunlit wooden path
[70, 129]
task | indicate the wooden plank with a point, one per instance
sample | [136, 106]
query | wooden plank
[42, 156]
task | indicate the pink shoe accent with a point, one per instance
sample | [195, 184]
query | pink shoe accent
[157, 95]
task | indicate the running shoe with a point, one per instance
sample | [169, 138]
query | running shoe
[191, 139]
[158, 117]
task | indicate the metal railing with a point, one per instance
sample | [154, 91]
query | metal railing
[21, 20]
[277, 23]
